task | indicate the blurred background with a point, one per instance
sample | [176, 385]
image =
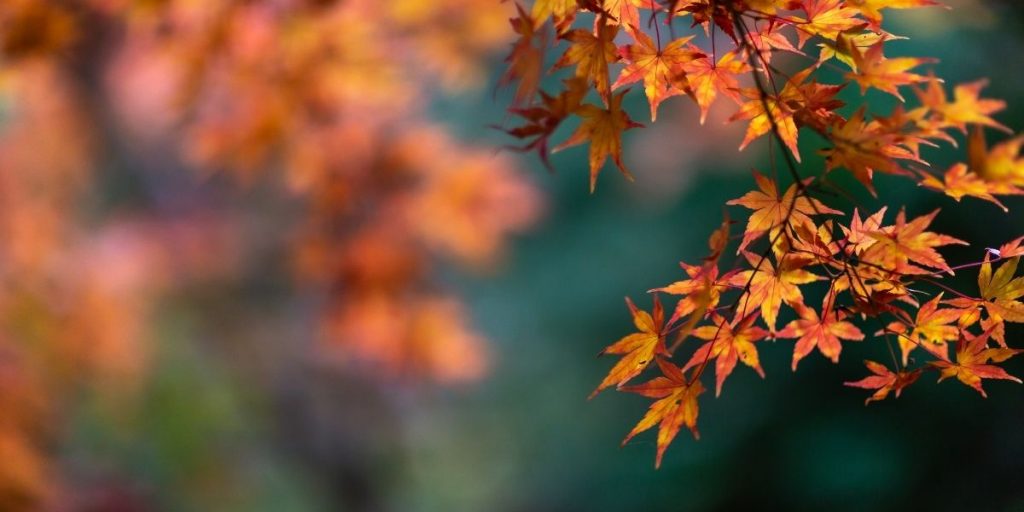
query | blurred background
[269, 256]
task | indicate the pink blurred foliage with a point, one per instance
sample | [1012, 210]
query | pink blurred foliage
[324, 100]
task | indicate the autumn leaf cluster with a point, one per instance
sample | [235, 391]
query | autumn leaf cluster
[782, 64]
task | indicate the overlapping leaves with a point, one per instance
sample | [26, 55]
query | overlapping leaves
[870, 270]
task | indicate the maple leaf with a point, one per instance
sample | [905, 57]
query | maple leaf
[1011, 248]
[884, 381]
[907, 125]
[676, 406]
[959, 181]
[1001, 286]
[864, 147]
[905, 242]
[765, 111]
[772, 212]
[727, 343]
[1000, 165]
[707, 78]
[591, 52]
[816, 241]
[638, 349]
[999, 294]
[719, 239]
[872, 285]
[826, 18]
[627, 12]
[841, 51]
[765, 41]
[707, 14]
[858, 234]
[800, 103]
[972, 358]
[526, 59]
[813, 104]
[656, 66]
[543, 120]
[930, 330]
[769, 286]
[873, 70]
[771, 6]
[822, 331]
[966, 108]
[559, 9]
[603, 128]
[873, 289]
[700, 293]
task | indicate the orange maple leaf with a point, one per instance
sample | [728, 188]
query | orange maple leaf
[603, 128]
[959, 181]
[884, 381]
[638, 349]
[858, 234]
[864, 147]
[591, 52]
[931, 329]
[763, 112]
[719, 239]
[873, 70]
[999, 293]
[766, 40]
[526, 60]
[1001, 165]
[768, 286]
[542, 120]
[816, 241]
[676, 406]
[972, 358]
[707, 78]
[831, 48]
[702, 292]
[772, 212]
[966, 108]
[905, 242]
[801, 103]
[626, 12]
[1011, 248]
[656, 66]
[822, 331]
[826, 18]
[559, 9]
[726, 343]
